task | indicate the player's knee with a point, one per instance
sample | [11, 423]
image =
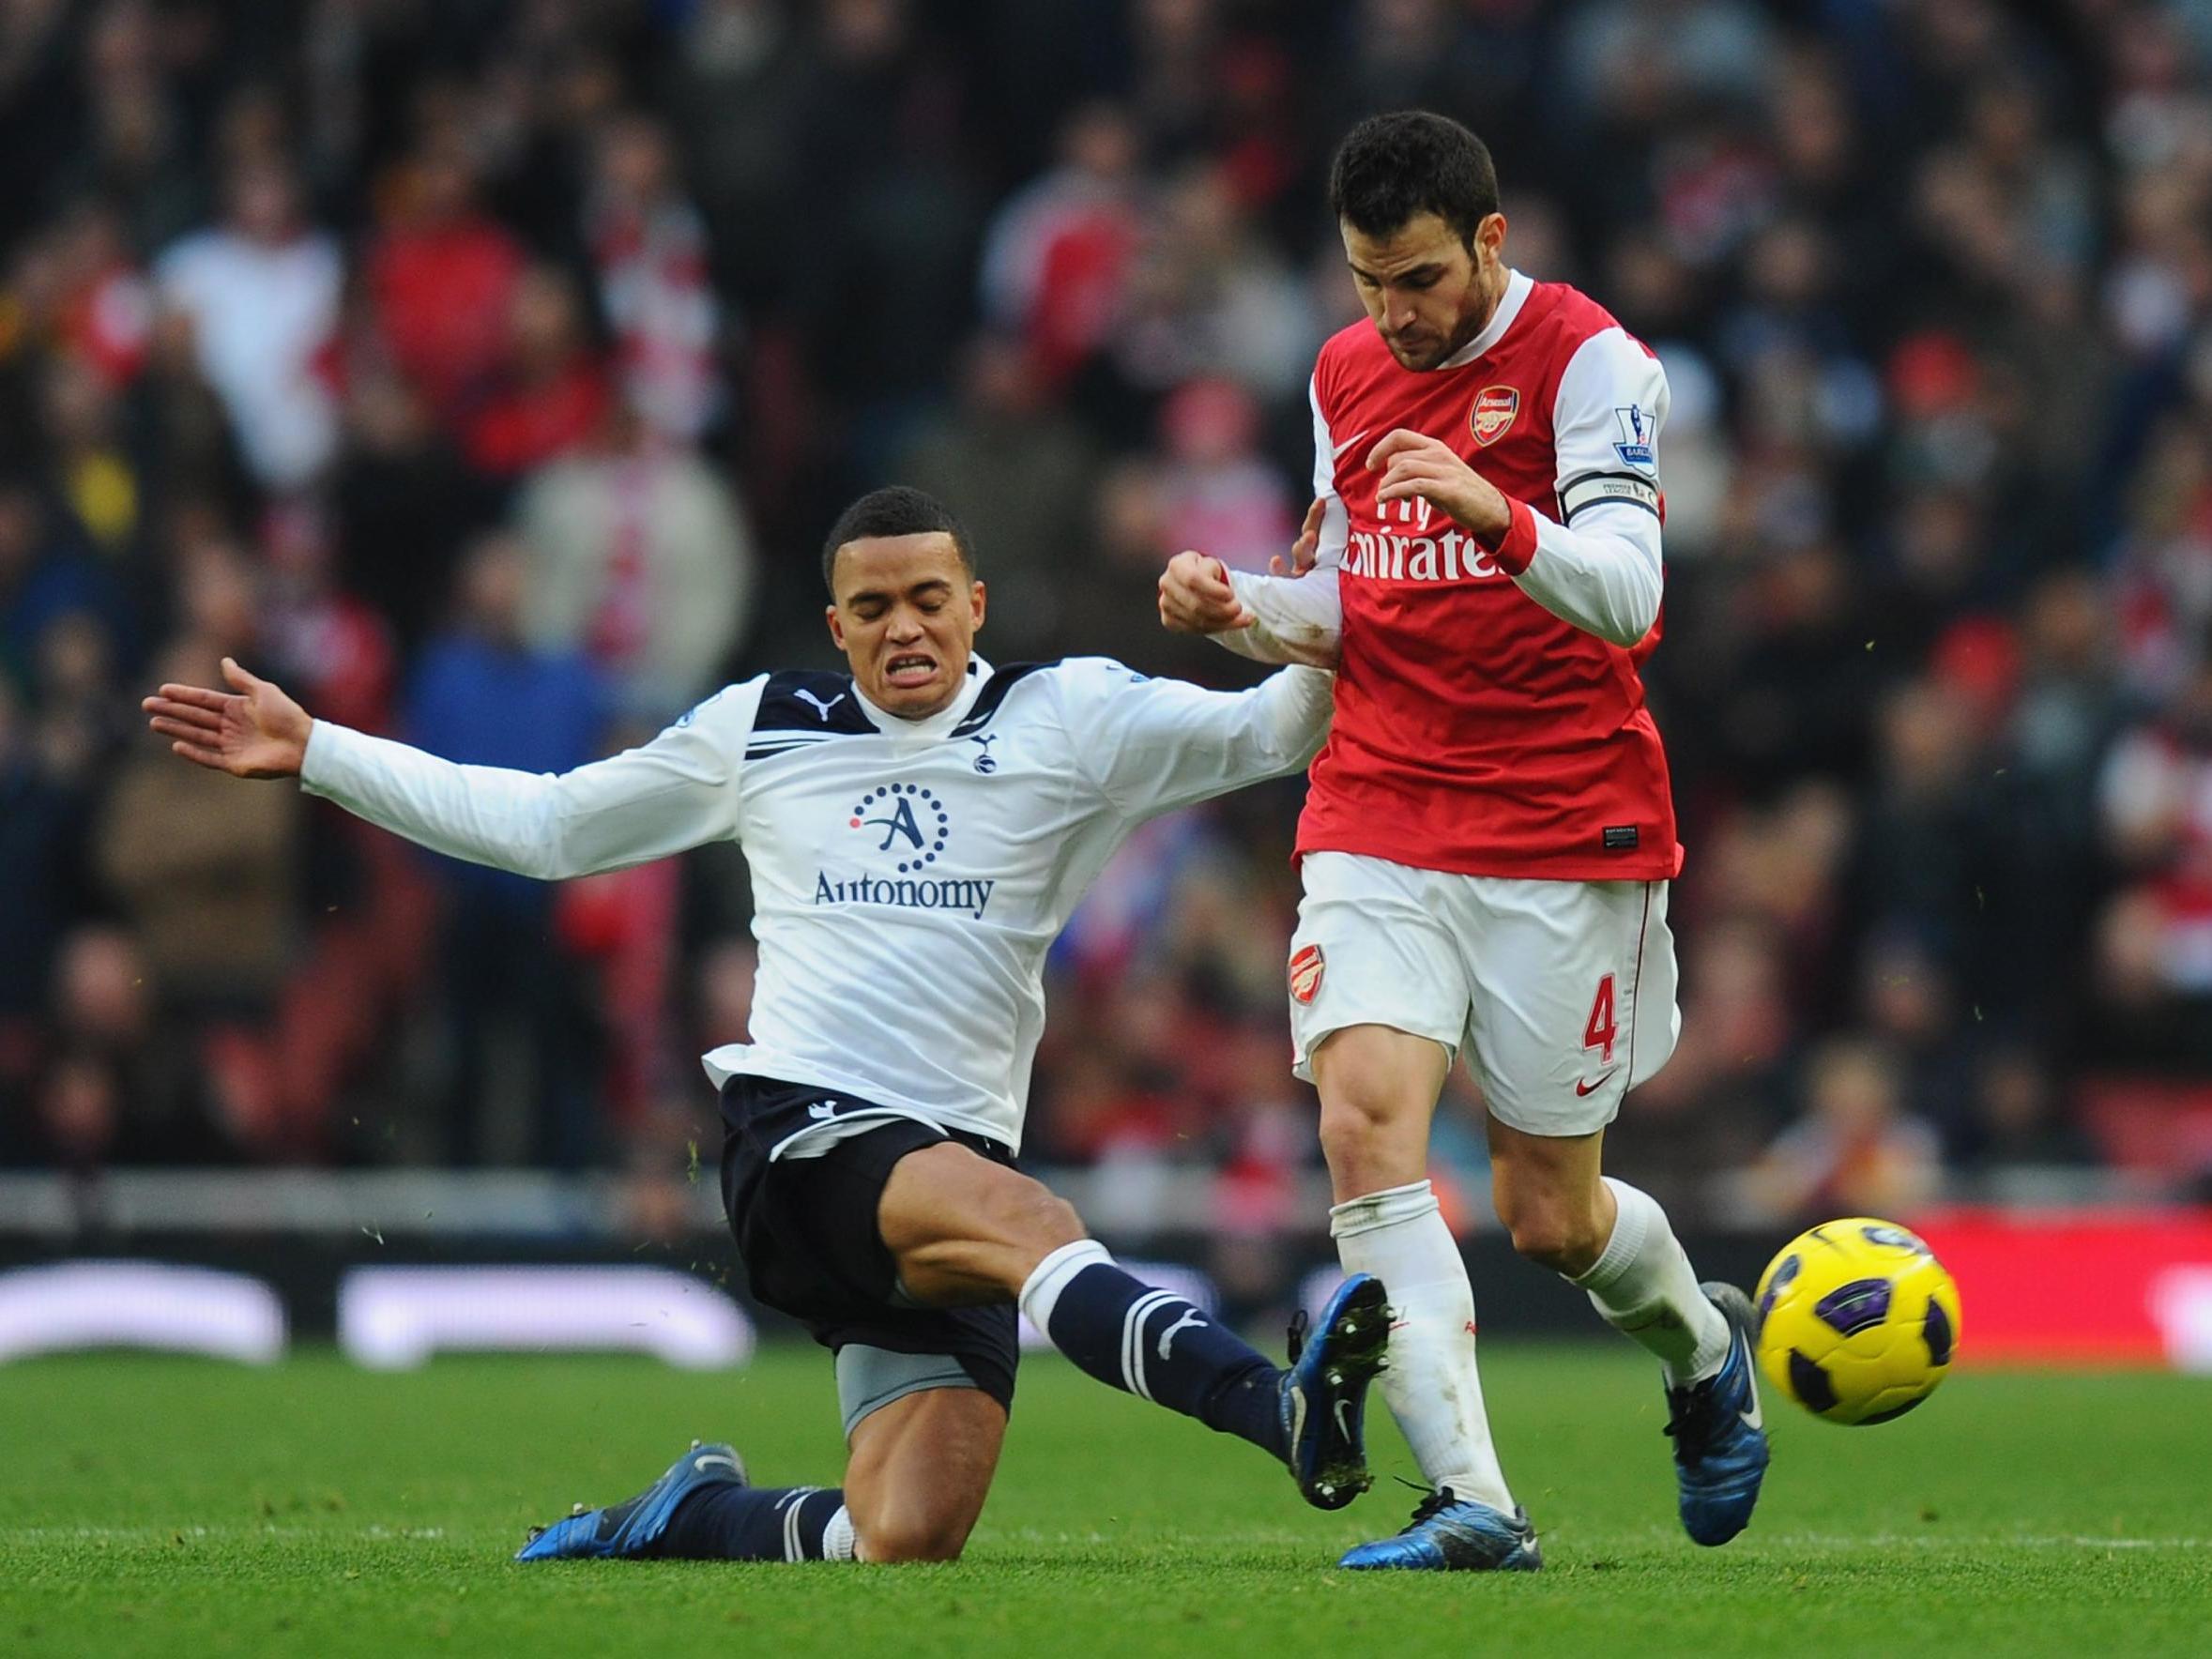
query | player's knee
[1032, 1215]
[1556, 1235]
[1372, 1142]
[1356, 1120]
[913, 1536]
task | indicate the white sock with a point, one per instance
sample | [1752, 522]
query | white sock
[1434, 1391]
[1049, 1277]
[1646, 1289]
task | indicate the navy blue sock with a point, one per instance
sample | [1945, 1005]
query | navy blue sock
[727, 1522]
[1154, 1345]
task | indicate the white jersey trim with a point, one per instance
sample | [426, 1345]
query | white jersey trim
[1518, 289]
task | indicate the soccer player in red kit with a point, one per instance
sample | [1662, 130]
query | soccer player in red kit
[1489, 837]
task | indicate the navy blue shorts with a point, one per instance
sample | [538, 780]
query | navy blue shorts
[806, 1228]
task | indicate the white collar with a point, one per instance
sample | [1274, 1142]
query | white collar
[937, 725]
[1518, 289]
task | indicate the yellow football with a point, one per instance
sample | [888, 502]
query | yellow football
[1857, 1320]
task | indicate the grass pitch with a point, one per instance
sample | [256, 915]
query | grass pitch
[179, 1507]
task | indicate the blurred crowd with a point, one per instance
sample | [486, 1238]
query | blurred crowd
[485, 371]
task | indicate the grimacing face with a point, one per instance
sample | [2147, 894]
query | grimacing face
[1426, 291]
[905, 616]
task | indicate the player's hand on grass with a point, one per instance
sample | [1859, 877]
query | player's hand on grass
[1307, 548]
[1196, 597]
[1414, 465]
[251, 731]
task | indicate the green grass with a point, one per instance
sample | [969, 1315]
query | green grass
[182, 1508]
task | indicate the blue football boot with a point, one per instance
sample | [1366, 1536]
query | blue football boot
[633, 1527]
[1324, 1401]
[1452, 1534]
[1720, 1448]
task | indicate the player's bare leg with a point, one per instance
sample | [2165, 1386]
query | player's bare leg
[964, 1229]
[1378, 1088]
[1550, 1193]
[1610, 1240]
[919, 1471]
[1614, 1242]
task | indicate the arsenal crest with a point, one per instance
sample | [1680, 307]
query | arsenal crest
[1494, 408]
[1305, 973]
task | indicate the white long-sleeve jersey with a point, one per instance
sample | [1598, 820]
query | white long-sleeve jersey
[908, 877]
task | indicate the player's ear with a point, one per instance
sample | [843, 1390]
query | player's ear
[836, 626]
[975, 602]
[1491, 234]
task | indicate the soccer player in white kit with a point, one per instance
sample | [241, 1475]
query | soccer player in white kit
[1490, 835]
[918, 831]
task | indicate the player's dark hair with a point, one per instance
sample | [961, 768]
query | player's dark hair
[1391, 169]
[894, 510]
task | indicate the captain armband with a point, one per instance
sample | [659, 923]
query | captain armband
[1590, 488]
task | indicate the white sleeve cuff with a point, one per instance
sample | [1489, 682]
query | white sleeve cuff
[323, 761]
[1296, 619]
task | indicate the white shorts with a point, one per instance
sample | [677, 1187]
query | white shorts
[1543, 982]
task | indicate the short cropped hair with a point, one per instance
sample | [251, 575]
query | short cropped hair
[896, 511]
[1391, 169]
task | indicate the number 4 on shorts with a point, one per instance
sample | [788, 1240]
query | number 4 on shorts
[1600, 1031]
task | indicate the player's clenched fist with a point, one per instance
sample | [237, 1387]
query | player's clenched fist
[1196, 597]
[252, 731]
[1413, 463]
[1195, 592]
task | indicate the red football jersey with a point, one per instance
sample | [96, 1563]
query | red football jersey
[1477, 731]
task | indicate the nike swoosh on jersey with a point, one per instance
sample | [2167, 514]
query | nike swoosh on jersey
[1582, 1088]
[1350, 441]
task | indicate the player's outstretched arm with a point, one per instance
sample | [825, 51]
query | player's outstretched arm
[1154, 745]
[676, 792]
[254, 730]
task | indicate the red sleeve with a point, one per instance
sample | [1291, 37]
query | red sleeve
[1518, 544]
